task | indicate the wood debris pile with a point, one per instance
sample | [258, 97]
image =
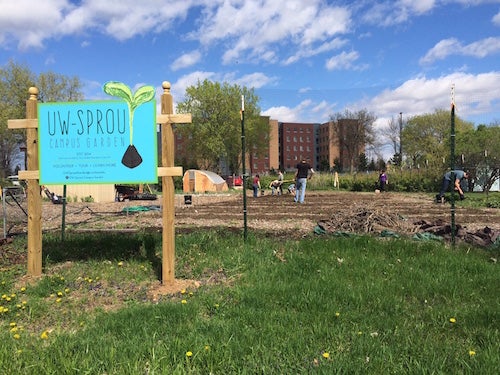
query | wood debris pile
[483, 237]
[364, 221]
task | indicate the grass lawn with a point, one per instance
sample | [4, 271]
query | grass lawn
[320, 305]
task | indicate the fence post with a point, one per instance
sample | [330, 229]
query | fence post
[168, 189]
[33, 191]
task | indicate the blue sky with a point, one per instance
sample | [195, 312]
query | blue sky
[306, 59]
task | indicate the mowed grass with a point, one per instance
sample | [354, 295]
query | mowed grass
[321, 305]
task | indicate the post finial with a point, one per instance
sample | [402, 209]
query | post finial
[33, 91]
[166, 86]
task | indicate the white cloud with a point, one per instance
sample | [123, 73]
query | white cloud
[191, 79]
[308, 51]
[306, 111]
[474, 94]
[496, 19]
[186, 60]
[452, 46]
[255, 80]
[294, 23]
[344, 61]
[30, 22]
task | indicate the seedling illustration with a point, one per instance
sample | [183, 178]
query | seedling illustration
[131, 158]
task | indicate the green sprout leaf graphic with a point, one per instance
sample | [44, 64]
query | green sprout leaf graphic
[144, 94]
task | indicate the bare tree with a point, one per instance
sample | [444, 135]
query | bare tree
[354, 131]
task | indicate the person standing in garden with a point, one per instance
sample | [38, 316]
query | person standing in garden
[304, 173]
[256, 185]
[382, 180]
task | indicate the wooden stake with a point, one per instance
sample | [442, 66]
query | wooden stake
[168, 190]
[33, 191]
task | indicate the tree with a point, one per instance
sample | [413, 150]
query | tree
[15, 80]
[427, 138]
[392, 134]
[354, 131]
[14, 83]
[481, 154]
[213, 138]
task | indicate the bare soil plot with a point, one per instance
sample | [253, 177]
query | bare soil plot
[276, 216]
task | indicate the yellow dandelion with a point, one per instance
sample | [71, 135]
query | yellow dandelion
[191, 294]
[17, 336]
[12, 324]
[8, 299]
[4, 296]
[453, 320]
[183, 291]
[326, 355]
[66, 290]
[59, 294]
[184, 301]
[189, 354]
[44, 335]
[59, 300]
[337, 314]
[13, 295]
[5, 309]
[216, 305]
[207, 347]
[120, 264]
[13, 329]
[23, 289]
[61, 278]
[472, 353]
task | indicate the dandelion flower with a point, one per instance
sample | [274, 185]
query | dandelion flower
[23, 289]
[66, 290]
[12, 324]
[453, 320]
[207, 347]
[44, 335]
[337, 314]
[190, 294]
[189, 354]
[58, 300]
[13, 329]
[183, 291]
[120, 264]
[17, 336]
[472, 353]
[326, 355]
[184, 301]
[60, 294]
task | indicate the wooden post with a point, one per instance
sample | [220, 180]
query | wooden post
[168, 189]
[33, 191]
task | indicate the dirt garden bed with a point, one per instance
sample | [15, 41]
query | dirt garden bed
[348, 212]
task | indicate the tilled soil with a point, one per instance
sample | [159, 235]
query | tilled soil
[276, 216]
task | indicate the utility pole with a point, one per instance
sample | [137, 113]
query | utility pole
[400, 136]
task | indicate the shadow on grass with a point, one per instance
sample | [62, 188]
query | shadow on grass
[103, 246]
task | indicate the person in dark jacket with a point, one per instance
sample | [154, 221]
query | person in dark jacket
[458, 176]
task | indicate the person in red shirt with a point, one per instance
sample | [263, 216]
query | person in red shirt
[256, 185]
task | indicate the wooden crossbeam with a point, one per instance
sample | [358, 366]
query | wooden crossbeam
[181, 118]
[23, 124]
[162, 172]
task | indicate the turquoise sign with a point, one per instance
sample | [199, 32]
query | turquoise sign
[99, 142]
